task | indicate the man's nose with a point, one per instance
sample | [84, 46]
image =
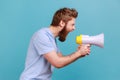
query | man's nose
[73, 27]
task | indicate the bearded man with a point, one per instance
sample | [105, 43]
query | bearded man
[43, 54]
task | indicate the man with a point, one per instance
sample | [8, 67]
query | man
[43, 54]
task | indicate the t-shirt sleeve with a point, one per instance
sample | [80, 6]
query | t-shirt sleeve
[42, 44]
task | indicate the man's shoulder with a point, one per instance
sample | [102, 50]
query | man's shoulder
[41, 33]
[42, 30]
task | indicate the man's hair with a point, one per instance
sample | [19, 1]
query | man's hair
[64, 14]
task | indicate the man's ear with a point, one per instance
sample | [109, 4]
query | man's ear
[62, 23]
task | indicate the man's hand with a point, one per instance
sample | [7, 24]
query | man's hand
[84, 49]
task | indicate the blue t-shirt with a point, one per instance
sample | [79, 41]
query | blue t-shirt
[36, 66]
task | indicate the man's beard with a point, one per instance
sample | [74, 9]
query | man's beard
[63, 34]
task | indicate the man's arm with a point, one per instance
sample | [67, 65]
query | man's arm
[58, 60]
[60, 54]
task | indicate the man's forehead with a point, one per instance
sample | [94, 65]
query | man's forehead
[72, 20]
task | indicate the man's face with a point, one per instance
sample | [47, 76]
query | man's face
[69, 27]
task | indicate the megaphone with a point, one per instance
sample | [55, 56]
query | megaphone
[97, 40]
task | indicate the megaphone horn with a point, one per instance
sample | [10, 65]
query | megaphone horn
[97, 40]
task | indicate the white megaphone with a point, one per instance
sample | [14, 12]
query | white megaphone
[97, 40]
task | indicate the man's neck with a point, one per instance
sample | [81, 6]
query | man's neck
[55, 30]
